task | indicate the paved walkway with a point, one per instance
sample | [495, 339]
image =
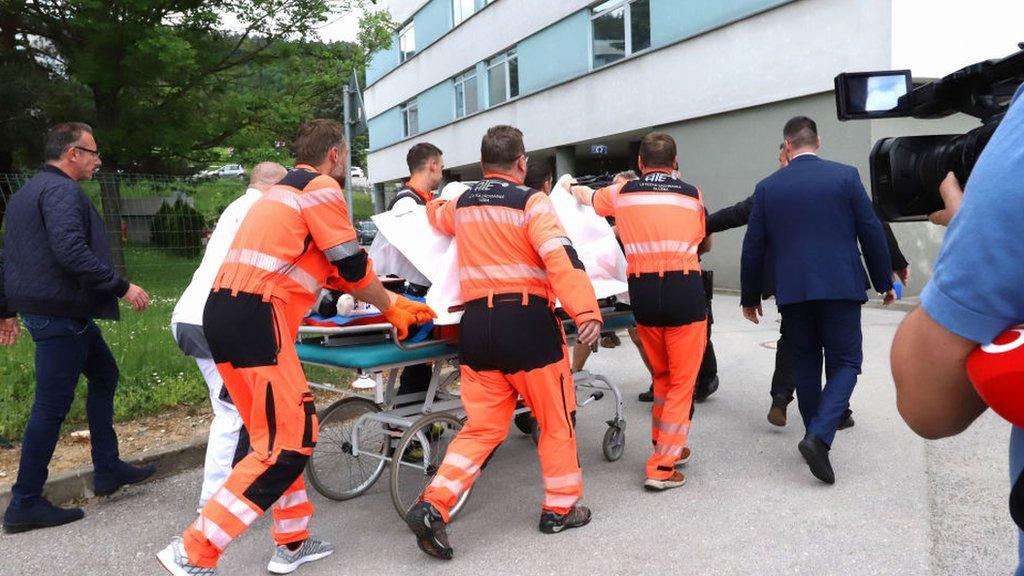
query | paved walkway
[901, 506]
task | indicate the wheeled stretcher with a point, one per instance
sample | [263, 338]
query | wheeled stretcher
[360, 435]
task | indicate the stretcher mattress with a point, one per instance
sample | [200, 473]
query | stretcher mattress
[367, 356]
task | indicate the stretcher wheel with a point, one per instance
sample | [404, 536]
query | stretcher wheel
[614, 443]
[418, 456]
[333, 469]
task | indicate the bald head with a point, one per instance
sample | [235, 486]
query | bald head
[266, 174]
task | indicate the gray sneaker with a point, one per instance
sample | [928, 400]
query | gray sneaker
[286, 561]
[175, 560]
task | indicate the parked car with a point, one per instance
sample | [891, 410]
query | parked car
[366, 231]
[357, 172]
[225, 171]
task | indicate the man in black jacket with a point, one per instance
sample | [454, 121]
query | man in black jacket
[783, 384]
[57, 274]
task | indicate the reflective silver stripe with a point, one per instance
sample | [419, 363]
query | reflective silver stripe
[461, 462]
[668, 450]
[453, 486]
[669, 427]
[214, 533]
[659, 247]
[292, 500]
[239, 509]
[291, 525]
[569, 480]
[559, 500]
[321, 196]
[283, 196]
[271, 264]
[501, 272]
[342, 251]
[661, 199]
[490, 215]
[553, 244]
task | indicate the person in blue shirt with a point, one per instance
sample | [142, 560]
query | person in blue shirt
[976, 292]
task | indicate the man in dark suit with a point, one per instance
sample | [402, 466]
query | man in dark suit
[811, 215]
[783, 385]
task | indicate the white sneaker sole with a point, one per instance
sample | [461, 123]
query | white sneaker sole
[652, 484]
[166, 558]
[278, 568]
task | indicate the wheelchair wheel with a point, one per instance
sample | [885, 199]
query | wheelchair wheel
[418, 456]
[333, 469]
[614, 443]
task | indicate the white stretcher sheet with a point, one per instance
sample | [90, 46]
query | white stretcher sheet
[434, 254]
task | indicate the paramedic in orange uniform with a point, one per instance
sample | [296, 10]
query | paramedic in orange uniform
[295, 240]
[514, 261]
[660, 220]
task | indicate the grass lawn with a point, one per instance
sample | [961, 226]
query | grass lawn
[155, 375]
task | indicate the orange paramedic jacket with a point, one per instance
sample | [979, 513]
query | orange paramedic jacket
[296, 239]
[660, 221]
[509, 240]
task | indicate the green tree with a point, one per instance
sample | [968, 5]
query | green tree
[168, 81]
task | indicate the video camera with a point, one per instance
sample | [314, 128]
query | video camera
[906, 171]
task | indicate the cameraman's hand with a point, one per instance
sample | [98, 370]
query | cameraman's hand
[9, 331]
[136, 297]
[952, 196]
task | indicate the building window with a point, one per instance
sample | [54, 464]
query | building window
[466, 100]
[462, 9]
[410, 118]
[503, 77]
[407, 41]
[619, 28]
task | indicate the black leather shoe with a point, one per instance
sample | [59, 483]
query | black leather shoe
[846, 421]
[427, 524]
[815, 452]
[647, 396]
[105, 484]
[41, 514]
[777, 413]
[705, 389]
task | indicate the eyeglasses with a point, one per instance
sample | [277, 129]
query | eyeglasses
[89, 150]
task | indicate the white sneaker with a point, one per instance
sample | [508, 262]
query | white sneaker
[286, 561]
[174, 559]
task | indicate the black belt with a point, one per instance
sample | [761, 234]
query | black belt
[509, 298]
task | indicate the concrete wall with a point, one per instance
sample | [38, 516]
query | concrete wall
[710, 74]
[675, 19]
[727, 154]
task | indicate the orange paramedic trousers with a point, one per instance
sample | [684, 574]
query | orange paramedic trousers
[489, 397]
[675, 354]
[277, 407]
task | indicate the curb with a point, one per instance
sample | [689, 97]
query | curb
[77, 484]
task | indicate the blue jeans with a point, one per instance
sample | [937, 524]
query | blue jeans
[66, 349]
[828, 329]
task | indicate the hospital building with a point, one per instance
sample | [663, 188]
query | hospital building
[586, 80]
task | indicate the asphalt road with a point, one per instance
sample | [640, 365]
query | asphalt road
[901, 506]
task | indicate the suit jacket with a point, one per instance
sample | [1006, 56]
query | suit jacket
[810, 217]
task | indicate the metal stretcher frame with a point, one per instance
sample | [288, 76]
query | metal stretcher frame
[405, 412]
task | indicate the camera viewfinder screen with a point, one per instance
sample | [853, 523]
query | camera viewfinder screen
[873, 93]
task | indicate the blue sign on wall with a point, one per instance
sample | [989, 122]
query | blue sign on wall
[599, 149]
